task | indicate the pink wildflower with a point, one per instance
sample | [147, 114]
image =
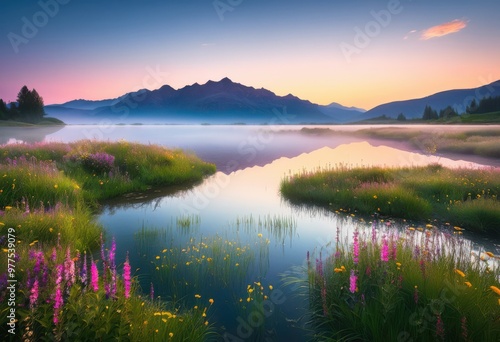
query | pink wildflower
[355, 251]
[94, 277]
[34, 294]
[352, 281]
[384, 253]
[126, 277]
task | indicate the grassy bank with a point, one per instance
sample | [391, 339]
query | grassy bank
[409, 286]
[462, 197]
[482, 142]
[48, 121]
[47, 229]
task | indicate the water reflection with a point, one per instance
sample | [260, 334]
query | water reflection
[27, 134]
[244, 208]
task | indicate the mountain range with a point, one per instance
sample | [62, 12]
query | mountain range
[227, 102]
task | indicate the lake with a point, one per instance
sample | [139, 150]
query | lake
[169, 233]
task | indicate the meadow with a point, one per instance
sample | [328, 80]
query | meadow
[48, 193]
[465, 198]
[386, 285]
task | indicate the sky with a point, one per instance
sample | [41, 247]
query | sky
[354, 52]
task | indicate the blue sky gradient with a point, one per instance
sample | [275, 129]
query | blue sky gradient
[103, 49]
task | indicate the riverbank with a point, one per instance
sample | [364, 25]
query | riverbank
[460, 197]
[47, 195]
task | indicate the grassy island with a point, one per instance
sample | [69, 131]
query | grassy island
[460, 197]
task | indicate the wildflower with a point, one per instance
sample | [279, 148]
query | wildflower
[211, 301]
[83, 272]
[323, 298]
[34, 294]
[439, 328]
[491, 255]
[94, 276]
[384, 253]
[352, 282]
[398, 264]
[259, 235]
[58, 301]
[270, 287]
[152, 292]
[126, 277]
[495, 289]
[468, 284]
[69, 269]
[355, 251]
[171, 334]
[197, 296]
[460, 273]
[463, 326]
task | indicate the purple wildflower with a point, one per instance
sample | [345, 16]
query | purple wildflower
[463, 326]
[352, 282]
[83, 273]
[439, 328]
[53, 257]
[69, 270]
[58, 301]
[323, 298]
[126, 277]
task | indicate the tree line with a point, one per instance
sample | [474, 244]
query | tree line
[486, 105]
[28, 107]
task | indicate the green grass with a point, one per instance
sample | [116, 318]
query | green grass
[481, 142]
[462, 197]
[427, 288]
[47, 193]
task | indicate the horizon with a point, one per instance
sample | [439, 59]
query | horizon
[358, 55]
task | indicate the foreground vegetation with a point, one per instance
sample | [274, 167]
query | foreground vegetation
[410, 286]
[462, 197]
[47, 229]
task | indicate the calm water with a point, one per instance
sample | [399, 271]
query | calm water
[237, 205]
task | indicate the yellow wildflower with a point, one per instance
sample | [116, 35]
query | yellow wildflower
[211, 301]
[56, 186]
[259, 235]
[460, 273]
[270, 287]
[468, 284]
[490, 254]
[8, 207]
[495, 289]
[171, 334]
[197, 296]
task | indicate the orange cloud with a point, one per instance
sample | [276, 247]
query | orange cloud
[444, 29]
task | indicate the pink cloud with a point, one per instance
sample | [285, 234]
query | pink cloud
[444, 29]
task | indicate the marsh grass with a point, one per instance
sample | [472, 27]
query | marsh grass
[213, 266]
[419, 286]
[463, 197]
[279, 227]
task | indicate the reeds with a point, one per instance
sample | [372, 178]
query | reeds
[420, 285]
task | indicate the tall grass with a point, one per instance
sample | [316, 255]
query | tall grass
[412, 286]
[464, 197]
[63, 294]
